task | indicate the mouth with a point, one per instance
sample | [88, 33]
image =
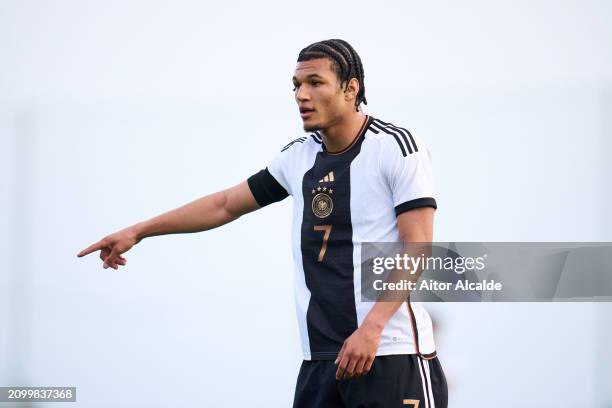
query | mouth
[305, 113]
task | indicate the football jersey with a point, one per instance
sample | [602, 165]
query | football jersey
[341, 200]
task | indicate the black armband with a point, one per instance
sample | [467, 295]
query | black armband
[416, 203]
[265, 188]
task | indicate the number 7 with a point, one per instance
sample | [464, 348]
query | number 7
[327, 230]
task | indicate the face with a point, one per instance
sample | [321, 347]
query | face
[319, 95]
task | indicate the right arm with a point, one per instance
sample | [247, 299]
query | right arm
[202, 214]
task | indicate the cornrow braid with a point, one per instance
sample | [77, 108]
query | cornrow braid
[345, 62]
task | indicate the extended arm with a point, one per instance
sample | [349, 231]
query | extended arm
[358, 352]
[202, 214]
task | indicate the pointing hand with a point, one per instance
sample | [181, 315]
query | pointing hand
[112, 246]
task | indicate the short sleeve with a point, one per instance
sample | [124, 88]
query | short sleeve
[409, 177]
[270, 184]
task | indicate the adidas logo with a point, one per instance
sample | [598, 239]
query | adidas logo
[328, 178]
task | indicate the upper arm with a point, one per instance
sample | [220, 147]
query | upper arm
[410, 179]
[265, 188]
[416, 225]
[239, 200]
[272, 183]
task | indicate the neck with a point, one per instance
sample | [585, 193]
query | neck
[341, 134]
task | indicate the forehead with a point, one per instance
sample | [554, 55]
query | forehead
[319, 66]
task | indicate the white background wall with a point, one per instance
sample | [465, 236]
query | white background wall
[112, 112]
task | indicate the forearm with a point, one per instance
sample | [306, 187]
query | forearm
[199, 215]
[203, 214]
[389, 302]
[380, 314]
[415, 227]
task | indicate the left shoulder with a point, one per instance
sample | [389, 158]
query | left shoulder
[398, 137]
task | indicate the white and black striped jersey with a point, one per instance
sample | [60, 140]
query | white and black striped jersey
[340, 201]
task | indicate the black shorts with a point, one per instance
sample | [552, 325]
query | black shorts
[394, 381]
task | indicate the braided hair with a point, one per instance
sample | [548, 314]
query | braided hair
[345, 62]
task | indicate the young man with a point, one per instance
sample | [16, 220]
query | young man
[354, 179]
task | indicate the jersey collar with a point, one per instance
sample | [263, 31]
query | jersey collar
[364, 127]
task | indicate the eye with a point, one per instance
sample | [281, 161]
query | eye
[295, 87]
[315, 83]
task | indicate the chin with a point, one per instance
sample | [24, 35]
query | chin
[311, 127]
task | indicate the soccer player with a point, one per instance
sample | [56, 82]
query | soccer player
[353, 178]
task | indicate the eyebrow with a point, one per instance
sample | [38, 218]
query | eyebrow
[309, 77]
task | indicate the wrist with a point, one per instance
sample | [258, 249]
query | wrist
[138, 231]
[373, 323]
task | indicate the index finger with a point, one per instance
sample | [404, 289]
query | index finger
[342, 366]
[95, 247]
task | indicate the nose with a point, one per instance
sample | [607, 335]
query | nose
[301, 94]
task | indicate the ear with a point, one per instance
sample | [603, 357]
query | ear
[352, 89]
